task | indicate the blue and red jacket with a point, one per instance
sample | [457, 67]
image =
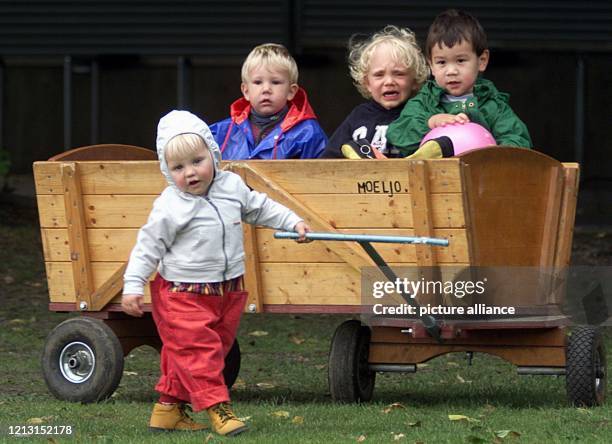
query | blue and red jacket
[298, 136]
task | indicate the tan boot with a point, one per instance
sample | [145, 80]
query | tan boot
[223, 420]
[171, 417]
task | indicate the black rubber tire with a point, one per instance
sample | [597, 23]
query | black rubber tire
[82, 335]
[586, 367]
[349, 377]
[232, 365]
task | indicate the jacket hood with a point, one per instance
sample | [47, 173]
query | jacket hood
[183, 122]
[299, 110]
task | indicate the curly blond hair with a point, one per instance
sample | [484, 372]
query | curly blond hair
[270, 54]
[404, 49]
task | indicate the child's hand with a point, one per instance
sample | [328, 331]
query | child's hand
[132, 304]
[447, 119]
[302, 228]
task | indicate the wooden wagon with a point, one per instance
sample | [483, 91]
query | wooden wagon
[497, 207]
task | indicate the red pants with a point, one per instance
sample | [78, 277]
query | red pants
[197, 331]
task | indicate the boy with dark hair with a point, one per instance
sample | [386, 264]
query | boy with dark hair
[457, 53]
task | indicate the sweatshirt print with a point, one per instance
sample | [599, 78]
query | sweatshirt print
[368, 120]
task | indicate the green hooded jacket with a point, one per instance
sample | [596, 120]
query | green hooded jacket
[488, 107]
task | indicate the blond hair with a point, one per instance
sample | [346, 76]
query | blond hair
[270, 54]
[183, 145]
[404, 49]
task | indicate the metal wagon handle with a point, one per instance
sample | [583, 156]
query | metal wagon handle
[428, 321]
[365, 238]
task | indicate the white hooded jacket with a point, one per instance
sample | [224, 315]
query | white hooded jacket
[191, 238]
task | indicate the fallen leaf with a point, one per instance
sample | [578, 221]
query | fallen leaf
[280, 414]
[584, 411]
[298, 420]
[463, 381]
[16, 321]
[506, 433]
[130, 373]
[320, 366]
[462, 418]
[414, 424]
[361, 438]
[452, 364]
[301, 358]
[258, 333]
[265, 385]
[394, 406]
[35, 421]
[208, 438]
[296, 339]
[8, 279]
[420, 366]
[244, 418]
[52, 440]
[398, 436]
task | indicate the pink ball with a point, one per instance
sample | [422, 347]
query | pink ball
[465, 136]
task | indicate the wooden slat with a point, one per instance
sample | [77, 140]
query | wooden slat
[115, 244]
[316, 283]
[252, 278]
[417, 353]
[109, 177]
[77, 235]
[350, 176]
[312, 176]
[104, 211]
[568, 215]
[311, 284]
[51, 210]
[381, 211]
[422, 211]
[356, 211]
[298, 283]
[105, 245]
[551, 217]
[272, 250]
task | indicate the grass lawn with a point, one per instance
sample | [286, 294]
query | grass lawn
[282, 387]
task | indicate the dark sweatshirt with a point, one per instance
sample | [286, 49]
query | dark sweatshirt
[368, 121]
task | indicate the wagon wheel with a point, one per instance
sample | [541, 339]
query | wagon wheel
[350, 379]
[82, 360]
[232, 364]
[586, 368]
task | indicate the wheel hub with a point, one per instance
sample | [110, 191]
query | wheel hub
[77, 362]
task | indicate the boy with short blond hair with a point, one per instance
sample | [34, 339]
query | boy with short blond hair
[457, 53]
[273, 119]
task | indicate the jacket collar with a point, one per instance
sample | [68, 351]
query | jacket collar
[299, 110]
[483, 89]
